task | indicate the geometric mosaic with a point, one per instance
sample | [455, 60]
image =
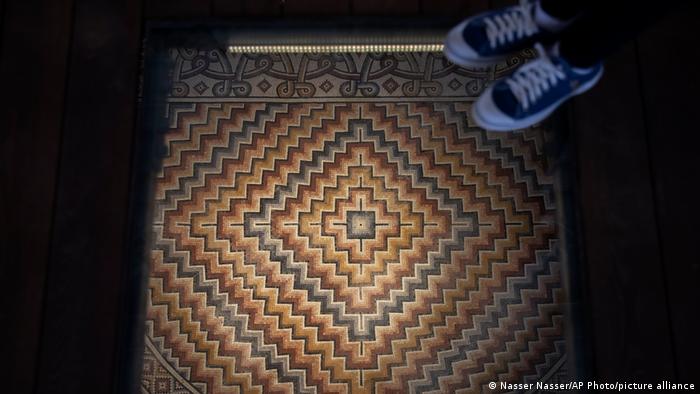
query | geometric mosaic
[340, 246]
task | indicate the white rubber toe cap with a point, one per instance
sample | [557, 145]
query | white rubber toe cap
[457, 49]
[461, 53]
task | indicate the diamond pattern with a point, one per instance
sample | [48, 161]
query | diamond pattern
[349, 247]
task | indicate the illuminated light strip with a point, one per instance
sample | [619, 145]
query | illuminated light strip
[336, 48]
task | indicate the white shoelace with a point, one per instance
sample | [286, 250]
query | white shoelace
[535, 78]
[513, 24]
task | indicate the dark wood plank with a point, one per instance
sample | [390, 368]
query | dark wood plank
[385, 7]
[671, 83]
[178, 9]
[226, 8]
[628, 311]
[36, 36]
[79, 341]
[453, 8]
[440, 7]
[501, 3]
[561, 150]
[316, 7]
[262, 7]
[2, 19]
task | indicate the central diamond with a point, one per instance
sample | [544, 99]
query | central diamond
[357, 220]
[358, 231]
[361, 225]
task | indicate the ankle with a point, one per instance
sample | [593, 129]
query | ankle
[576, 63]
[549, 22]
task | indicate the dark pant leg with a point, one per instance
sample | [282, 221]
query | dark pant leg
[564, 9]
[605, 26]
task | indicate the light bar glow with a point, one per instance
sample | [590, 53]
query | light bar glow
[336, 48]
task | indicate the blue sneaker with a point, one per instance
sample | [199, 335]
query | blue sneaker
[533, 92]
[490, 37]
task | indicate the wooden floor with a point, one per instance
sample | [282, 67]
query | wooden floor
[638, 174]
[66, 183]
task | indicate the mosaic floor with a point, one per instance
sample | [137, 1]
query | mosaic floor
[335, 224]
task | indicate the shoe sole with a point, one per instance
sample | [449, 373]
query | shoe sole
[523, 123]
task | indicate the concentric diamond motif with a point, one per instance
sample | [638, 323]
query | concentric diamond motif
[264, 85]
[201, 87]
[326, 86]
[390, 85]
[454, 84]
[351, 190]
[350, 248]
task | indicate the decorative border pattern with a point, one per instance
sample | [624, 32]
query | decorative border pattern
[220, 74]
